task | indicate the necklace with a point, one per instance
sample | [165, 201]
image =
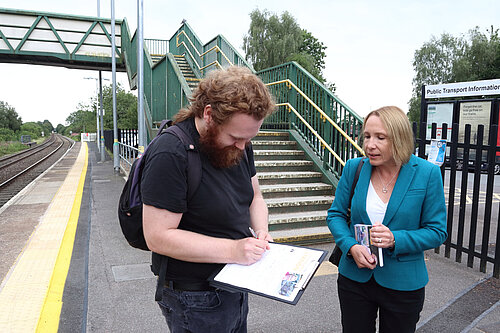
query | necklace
[384, 187]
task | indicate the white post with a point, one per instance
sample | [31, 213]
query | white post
[103, 156]
[116, 157]
[140, 78]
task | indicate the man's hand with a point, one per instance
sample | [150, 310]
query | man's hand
[264, 235]
[249, 250]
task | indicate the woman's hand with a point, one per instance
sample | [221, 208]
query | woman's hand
[362, 258]
[381, 236]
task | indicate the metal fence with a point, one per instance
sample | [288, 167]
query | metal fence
[469, 181]
[127, 141]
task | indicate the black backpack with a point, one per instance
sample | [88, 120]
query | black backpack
[130, 204]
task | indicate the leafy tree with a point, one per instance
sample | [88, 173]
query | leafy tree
[312, 47]
[449, 59]
[84, 119]
[9, 117]
[482, 58]
[60, 128]
[6, 134]
[31, 128]
[126, 108]
[274, 40]
[271, 40]
[46, 126]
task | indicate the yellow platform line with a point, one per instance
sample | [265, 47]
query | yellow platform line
[326, 268]
[31, 297]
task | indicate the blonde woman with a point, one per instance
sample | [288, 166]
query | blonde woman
[402, 196]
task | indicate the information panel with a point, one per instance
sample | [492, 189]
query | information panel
[439, 114]
[474, 113]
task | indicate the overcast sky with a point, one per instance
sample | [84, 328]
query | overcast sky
[370, 44]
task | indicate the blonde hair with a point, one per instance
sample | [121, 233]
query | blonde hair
[398, 130]
[229, 91]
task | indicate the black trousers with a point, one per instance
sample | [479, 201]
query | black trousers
[399, 311]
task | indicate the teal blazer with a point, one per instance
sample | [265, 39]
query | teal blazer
[416, 215]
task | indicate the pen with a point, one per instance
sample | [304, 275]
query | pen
[252, 232]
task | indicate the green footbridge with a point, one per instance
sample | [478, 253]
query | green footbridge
[320, 123]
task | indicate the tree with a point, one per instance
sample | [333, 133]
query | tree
[84, 119]
[449, 59]
[9, 117]
[46, 126]
[271, 40]
[60, 128]
[126, 108]
[312, 47]
[274, 40]
[32, 129]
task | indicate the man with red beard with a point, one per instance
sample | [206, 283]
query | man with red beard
[210, 229]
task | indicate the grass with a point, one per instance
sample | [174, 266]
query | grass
[10, 147]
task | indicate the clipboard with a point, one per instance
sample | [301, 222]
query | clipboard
[282, 274]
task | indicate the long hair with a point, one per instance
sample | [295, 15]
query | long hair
[229, 91]
[398, 129]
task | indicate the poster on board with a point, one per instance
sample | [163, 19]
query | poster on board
[474, 113]
[439, 114]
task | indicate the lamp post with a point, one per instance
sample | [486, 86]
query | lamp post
[141, 126]
[116, 157]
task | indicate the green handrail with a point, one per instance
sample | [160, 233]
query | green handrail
[335, 126]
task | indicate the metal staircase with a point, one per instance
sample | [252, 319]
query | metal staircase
[186, 71]
[294, 192]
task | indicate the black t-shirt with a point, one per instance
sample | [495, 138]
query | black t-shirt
[218, 208]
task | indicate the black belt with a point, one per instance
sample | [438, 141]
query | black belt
[188, 286]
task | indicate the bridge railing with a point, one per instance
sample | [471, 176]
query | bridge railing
[75, 41]
[157, 47]
[217, 53]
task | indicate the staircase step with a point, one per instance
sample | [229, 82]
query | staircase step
[303, 236]
[258, 143]
[298, 204]
[274, 145]
[290, 165]
[291, 177]
[271, 135]
[295, 190]
[278, 154]
[284, 221]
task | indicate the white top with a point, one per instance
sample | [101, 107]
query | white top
[375, 207]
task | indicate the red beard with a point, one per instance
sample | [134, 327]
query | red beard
[219, 157]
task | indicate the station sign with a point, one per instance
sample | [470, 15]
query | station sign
[462, 89]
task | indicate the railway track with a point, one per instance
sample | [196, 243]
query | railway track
[18, 170]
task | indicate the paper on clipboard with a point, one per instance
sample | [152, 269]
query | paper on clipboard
[282, 273]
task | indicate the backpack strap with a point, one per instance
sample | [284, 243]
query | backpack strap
[193, 159]
[164, 124]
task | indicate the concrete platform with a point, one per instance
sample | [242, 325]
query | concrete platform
[107, 286]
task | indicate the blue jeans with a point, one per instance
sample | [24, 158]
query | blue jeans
[204, 311]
